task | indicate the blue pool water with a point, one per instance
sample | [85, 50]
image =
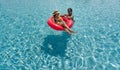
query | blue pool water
[28, 43]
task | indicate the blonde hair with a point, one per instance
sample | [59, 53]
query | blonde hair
[56, 11]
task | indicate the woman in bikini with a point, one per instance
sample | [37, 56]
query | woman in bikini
[58, 20]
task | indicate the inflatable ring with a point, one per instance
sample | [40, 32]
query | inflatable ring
[55, 26]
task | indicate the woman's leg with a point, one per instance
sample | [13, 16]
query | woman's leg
[67, 31]
[64, 24]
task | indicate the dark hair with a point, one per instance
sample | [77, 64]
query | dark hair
[70, 9]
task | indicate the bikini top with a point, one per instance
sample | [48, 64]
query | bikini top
[58, 19]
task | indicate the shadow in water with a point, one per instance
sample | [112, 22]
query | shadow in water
[55, 45]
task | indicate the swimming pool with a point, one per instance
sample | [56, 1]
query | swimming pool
[28, 43]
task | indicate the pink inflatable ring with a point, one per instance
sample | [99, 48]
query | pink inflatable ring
[55, 26]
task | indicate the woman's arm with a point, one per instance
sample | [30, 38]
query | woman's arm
[63, 15]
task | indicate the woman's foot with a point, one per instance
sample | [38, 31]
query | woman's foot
[73, 32]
